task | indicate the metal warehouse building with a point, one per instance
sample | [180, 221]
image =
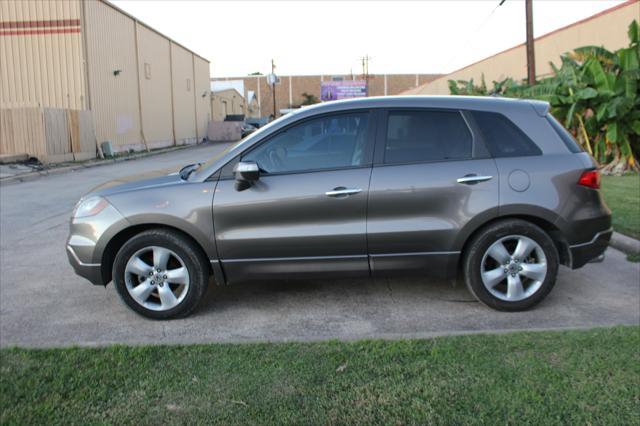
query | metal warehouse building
[76, 73]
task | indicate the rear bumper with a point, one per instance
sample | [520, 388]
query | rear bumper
[583, 253]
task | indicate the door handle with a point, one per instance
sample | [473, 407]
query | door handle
[472, 179]
[342, 192]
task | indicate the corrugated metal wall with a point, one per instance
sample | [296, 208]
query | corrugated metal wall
[155, 86]
[184, 107]
[113, 75]
[156, 97]
[143, 89]
[203, 106]
[41, 54]
[22, 131]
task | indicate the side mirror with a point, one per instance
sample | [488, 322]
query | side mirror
[246, 173]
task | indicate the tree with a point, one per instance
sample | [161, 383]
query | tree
[309, 99]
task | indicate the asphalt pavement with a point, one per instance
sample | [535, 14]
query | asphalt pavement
[43, 303]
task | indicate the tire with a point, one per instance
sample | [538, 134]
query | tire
[184, 271]
[492, 275]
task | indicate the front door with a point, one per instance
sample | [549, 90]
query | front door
[431, 180]
[305, 216]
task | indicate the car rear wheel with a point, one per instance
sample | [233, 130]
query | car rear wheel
[511, 265]
[160, 274]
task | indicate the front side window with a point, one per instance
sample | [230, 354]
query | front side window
[420, 136]
[329, 142]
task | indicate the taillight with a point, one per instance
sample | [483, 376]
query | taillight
[590, 179]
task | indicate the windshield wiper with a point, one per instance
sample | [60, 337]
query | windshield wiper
[188, 169]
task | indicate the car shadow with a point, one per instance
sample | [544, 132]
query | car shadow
[300, 292]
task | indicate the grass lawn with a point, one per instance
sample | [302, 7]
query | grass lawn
[576, 377]
[622, 195]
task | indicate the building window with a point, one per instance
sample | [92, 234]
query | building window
[147, 70]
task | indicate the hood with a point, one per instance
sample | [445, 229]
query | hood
[136, 182]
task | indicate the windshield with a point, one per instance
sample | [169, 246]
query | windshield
[237, 146]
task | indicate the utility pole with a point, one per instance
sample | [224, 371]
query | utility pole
[365, 71]
[531, 59]
[273, 87]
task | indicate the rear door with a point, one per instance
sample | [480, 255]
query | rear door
[305, 216]
[430, 182]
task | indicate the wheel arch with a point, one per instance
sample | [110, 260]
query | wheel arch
[545, 224]
[124, 235]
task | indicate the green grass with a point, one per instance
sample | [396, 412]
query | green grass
[622, 195]
[574, 377]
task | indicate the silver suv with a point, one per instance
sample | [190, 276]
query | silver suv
[491, 191]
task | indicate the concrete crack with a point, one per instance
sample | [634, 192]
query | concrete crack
[389, 288]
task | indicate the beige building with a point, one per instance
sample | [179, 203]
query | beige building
[226, 102]
[608, 29]
[290, 89]
[142, 89]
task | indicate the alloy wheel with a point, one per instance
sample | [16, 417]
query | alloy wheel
[513, 268]
[156, 278]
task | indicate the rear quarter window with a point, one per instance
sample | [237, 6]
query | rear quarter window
[565, 136]
[502, 137]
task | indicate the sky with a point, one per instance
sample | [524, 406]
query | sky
[331, 37]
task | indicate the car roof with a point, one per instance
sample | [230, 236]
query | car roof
[483, 103]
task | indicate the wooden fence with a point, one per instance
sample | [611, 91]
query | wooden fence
[52, 135]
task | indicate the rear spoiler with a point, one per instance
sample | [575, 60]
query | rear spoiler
[541, 107]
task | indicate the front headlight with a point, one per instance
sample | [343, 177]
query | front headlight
[90, 207]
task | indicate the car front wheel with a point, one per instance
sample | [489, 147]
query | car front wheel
[511, 265]
[160, 274]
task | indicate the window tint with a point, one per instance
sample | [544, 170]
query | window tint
[414, 136]
[323, 143]
[566, 137]
[502, 137]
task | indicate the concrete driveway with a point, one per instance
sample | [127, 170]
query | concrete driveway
[42, 302]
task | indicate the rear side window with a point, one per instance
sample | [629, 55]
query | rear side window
[502, 137]
[420, 136]
[566, 137]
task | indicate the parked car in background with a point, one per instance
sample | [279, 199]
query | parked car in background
[492, 191]
[247, 129]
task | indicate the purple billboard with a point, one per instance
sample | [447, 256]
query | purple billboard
[334, 90]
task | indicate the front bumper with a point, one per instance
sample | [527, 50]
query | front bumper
[581, 254]
[88, 237]
[90, 271]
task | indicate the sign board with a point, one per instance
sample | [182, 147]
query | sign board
[334, 90]
[273, 79]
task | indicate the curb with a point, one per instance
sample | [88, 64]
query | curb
[26, 177]
[625, 244]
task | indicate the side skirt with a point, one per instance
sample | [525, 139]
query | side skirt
[438, 265]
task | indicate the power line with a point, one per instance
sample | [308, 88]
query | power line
[472, 35]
